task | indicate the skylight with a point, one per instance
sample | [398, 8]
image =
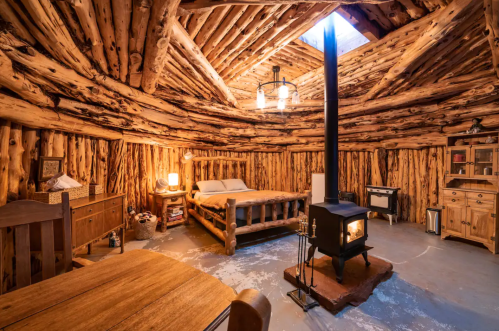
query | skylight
[348, 37]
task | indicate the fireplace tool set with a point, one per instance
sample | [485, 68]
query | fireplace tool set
[302, 296]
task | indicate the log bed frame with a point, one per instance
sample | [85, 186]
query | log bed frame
[228, 236]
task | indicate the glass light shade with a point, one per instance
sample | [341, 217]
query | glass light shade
[281, 105]
[296, 98]
[260, 99]
[173, 179]
[283, 92]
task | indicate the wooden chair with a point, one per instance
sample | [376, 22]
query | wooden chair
[19, 215]
[250, 311]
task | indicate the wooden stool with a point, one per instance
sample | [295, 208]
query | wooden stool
[170, 198]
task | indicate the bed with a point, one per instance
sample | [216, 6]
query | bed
[231, 210]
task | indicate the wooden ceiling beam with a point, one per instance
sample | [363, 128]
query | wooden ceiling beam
[104, 15]
[439, 34]
[292, 32]
[492, 30]
[122, 16]
[183, 42]
[159, 31]
[356, 17]
[194, 5]
[141, 11]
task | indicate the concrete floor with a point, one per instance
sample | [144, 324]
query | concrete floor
[437, 285]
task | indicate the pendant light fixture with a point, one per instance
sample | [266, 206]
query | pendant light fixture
[277, 88]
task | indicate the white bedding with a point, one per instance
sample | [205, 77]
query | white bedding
[240, 212]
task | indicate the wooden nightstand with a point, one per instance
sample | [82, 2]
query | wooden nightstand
[168, 199]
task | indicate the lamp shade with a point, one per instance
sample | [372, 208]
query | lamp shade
[296, 98]
[260, 99]
[283, 92]
[173, 179]
[281, 105]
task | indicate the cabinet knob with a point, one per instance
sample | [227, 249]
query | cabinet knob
[463, 222]
[468, 223]
[453, 200]
[453, 193]
[114, 202]
[452, 221]
[90, 210]
[474, 228]
[471, 163]
[480, 196]
[478, 201]
[90, 220]
[113, 211]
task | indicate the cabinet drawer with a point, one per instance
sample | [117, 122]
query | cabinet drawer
[88, 229]
[481, 204]
[454, 200]
[113, 202]
[451, 193]
[87, 210]
[113, 218]
[480, 196]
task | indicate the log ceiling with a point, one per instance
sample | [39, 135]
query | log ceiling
[184, 73]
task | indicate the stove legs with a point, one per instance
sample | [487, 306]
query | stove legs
[339, 265]
[311, 252]
[364, 255]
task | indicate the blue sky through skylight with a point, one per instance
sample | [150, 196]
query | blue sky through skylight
[347, 36]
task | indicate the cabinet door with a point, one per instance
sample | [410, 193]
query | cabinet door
[454, 220]
[483, 162]
[458, 161]
[113, 218]
[88, 229]
[480, 223]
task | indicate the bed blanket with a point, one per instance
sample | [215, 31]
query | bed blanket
[243, 198]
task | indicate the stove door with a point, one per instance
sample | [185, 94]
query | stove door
[355, 232]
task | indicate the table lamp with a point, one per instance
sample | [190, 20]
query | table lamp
[173, 181]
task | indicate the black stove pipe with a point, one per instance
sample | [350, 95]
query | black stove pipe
[331, 112]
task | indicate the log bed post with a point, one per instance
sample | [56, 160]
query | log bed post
[188, 177]
[247, 174]
[230, 239]
[262, 213]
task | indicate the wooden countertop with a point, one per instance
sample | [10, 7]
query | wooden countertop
[82, 202]
[469, 190]
[137, 290]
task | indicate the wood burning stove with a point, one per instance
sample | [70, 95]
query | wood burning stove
[341, 225]
[383, 199]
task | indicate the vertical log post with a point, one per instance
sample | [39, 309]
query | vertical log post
[247, 174]
[285, 210]
[262, 214]
[249, 215]
[230, 239]
[5, 234]
[295, 208]
[308, 200]
[16, 171]
[30, 139]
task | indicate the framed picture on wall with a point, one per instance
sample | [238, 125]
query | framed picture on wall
[49, 167]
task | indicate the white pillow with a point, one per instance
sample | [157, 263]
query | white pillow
[234, 184]
[206, 186]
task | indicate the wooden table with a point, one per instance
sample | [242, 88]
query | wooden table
[137, 290]
[169, 198]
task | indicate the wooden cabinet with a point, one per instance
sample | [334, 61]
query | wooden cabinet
[470, 202]
[96, 216]
[471, 215]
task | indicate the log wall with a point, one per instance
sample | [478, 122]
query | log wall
[134, 168]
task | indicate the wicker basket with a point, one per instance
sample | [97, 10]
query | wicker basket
[96, 189]
[56, 197]
[145, 230]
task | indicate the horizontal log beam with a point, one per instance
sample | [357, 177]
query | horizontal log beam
[193, 5]
[27, 114]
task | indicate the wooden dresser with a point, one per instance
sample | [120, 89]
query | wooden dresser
[96, 216]
[470, 205]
